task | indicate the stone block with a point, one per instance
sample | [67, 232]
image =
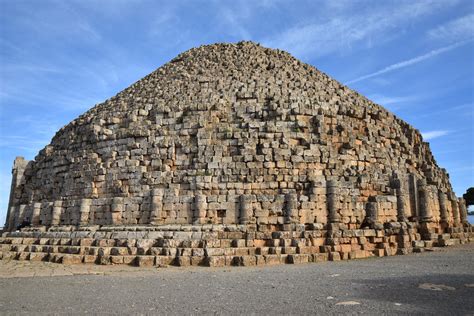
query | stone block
[289, 250]
[163, 260]
[272, 259]
[260, 260]
[38, 256]
[145, 261]
[215, 261]
[263, 250]
[130, 260]
[334, 256]
[319, 257]
[103, 260]
[247, 261]
[240, 251]
[22, 256]
[183, 261]
[238, 243]
[298, 258]
[199, 252]
[119, 251]
[71, 259]
[418, 243]
[145, 243]
[90, 259]
[209, 252]
[116, 259]
[197, 260]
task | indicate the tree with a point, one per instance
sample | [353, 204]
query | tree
[469, 197]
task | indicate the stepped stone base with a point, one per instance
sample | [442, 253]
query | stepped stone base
[220, 245]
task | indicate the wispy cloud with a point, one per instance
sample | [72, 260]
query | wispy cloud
[434, 134]
[388, 100]
[461, 169]
[411, 61]
[30, 68]
[235, 26]
[233, 19]
[393, 103]
[21, 141]
[344, 30]
[455, 30]
[63, 22]
[163, 22]
[458, 109]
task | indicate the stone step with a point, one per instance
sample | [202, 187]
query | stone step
[449, 242]
[219, 248]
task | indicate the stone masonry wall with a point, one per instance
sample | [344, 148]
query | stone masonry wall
[235, 133]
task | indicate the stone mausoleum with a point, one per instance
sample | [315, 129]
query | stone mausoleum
[232, 154]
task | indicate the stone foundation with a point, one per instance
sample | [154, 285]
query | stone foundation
[221, 245]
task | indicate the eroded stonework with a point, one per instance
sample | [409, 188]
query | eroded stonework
[231, 134]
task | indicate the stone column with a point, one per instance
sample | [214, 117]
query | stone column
[371, 213]
[18, 170]
[200, 209]
[401, 202]
[84, 211]
[35, 216]
[442, 207]
[291, 208]
[413, 189]
[117, 210]
[400, 186]
[11, 218]
[455, 207]
[156, 215]
[245, 207]
[332, 198]
[18, 216]
[57, 210]
[423, 201]
[463, 211]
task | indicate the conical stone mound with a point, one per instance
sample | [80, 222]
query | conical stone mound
[223, 121]
[235, 134]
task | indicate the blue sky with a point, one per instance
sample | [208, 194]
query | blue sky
[59, 58]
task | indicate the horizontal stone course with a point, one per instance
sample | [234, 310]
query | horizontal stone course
[280, 247]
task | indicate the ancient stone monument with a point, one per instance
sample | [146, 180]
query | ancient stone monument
[231, 154]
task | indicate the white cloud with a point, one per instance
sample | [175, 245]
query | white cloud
[234, 22]
[350, 27]
[411, 61]
[457, 109]
[393, 103]
[63, 22]
[455, 30]
[387, 100]
[434, 134]
[462, 169]
[31, 68]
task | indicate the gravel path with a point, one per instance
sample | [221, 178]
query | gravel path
[440, 282]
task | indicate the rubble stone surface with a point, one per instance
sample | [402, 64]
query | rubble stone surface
[232, 139]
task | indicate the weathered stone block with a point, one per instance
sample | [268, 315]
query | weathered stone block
[71, 259]
[215, 261]
[145, 261]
